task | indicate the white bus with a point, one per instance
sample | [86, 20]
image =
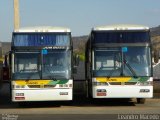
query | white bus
[118, 62]
[41, 64]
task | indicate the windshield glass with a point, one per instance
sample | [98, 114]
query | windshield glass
[27, 66]
[125, 61]
[56, 64]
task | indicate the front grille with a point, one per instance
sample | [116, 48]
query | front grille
[115, 83]
[34, 86]
[41, 86]
[100, 83]
[130, 83]
[49, 86]
[122, 83]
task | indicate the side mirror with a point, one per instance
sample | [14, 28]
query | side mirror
[156, 56]
[76, 63]
[75, 70]
[76, 60]
[6, 61]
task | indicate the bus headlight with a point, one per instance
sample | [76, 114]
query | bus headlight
[100, 83]
[65, 85]
[101, 92]
[18, 86]
[148, 83]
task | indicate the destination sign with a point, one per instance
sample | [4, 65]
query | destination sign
[41, 40]
[121, 37]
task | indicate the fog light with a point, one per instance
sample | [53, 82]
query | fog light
[19, 98]
[19, 86]
[101, 92]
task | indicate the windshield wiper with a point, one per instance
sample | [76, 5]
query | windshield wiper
[130, 68]
[122, 73]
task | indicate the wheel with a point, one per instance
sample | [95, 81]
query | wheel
[89, 91]
[25, 104]
[141, 100]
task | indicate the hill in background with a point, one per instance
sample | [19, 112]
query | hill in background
[155, 38]
[155, 31]
[80, 41]
[79, 47]
[6, 47]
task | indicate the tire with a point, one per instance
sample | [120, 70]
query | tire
[141, 100]
[22, 104]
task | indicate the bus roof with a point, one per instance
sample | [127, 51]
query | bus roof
[43, 29]
[120, 27]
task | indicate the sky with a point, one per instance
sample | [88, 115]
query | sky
[78, 15]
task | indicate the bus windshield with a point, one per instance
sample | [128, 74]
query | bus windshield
[56, 65]
[27, 66]
[125, 61]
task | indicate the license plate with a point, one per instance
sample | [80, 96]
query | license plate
[101, 94]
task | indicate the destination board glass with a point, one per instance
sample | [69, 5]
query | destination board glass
[41, 39]
[121, 37]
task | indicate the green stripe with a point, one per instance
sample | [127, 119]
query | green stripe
[57, 82]
[140, 79]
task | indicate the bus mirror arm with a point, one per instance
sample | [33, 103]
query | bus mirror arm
[76, 61]
[74, 70]
[6, 61]
[156, 56]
